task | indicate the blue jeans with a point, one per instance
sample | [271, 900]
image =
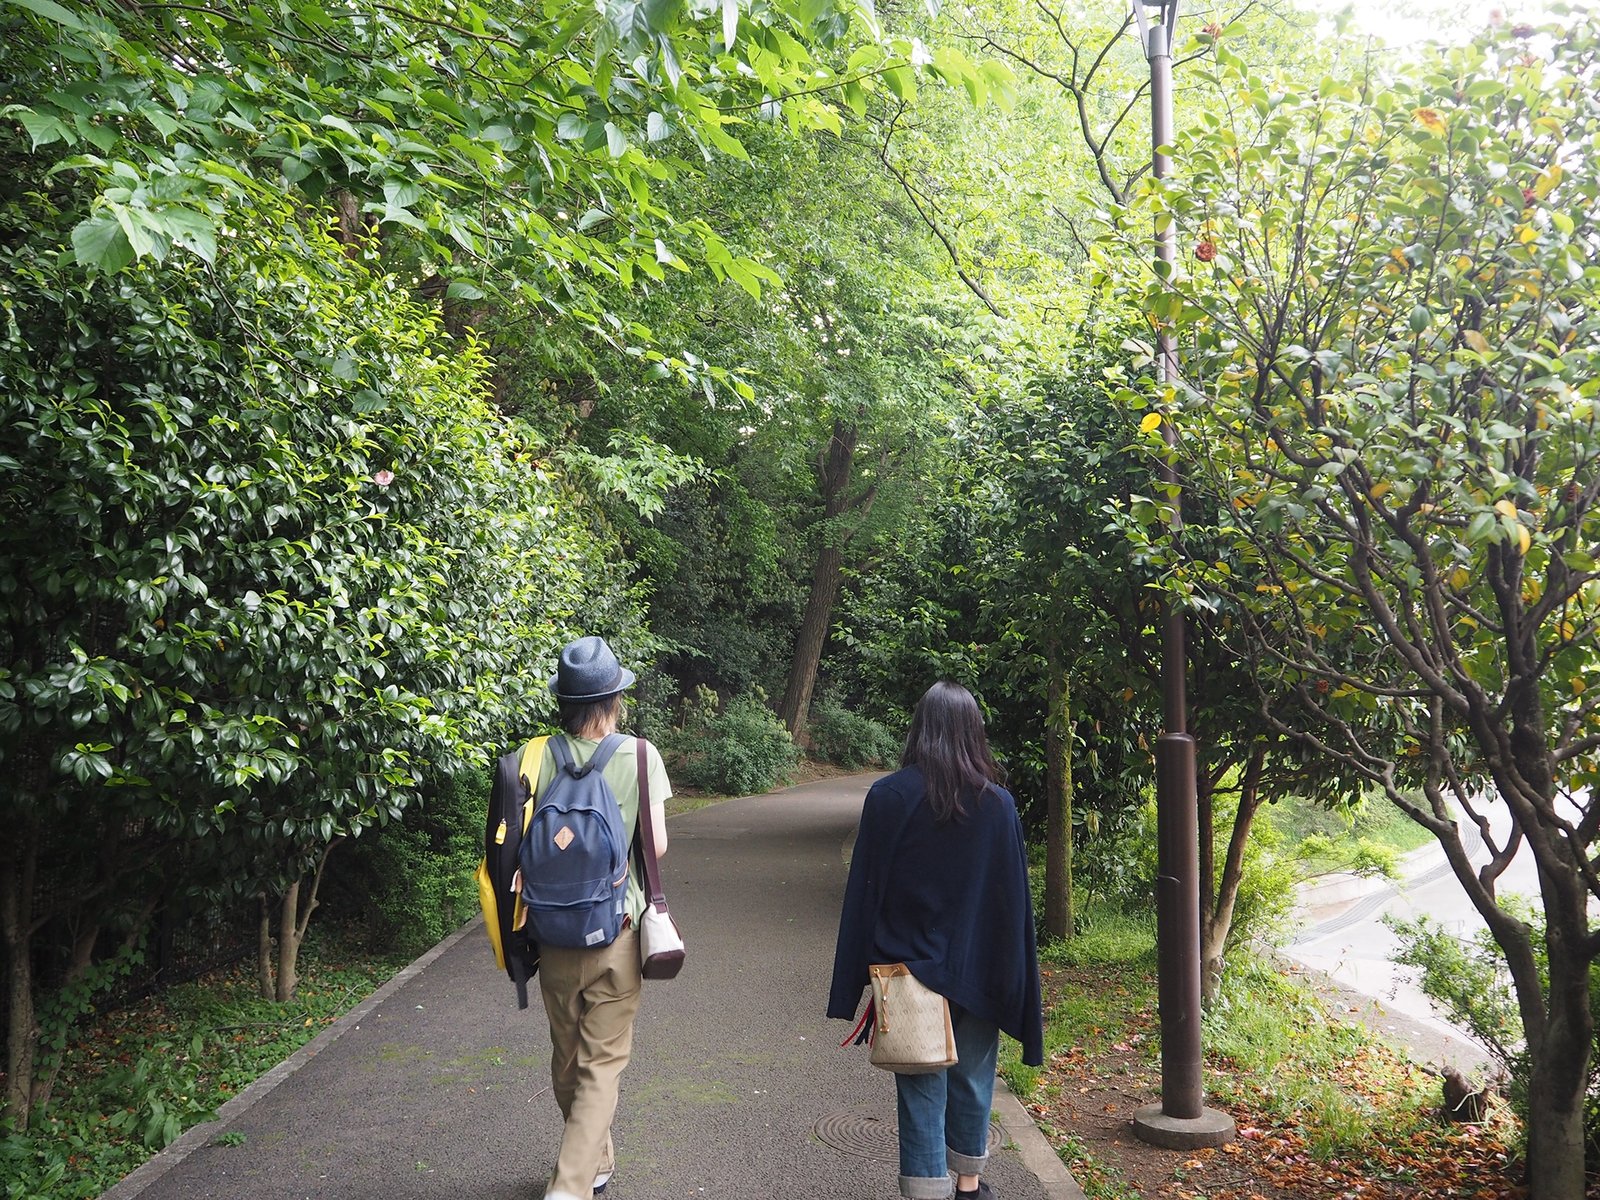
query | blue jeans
[944, 1116]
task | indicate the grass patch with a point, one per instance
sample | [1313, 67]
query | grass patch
[136, 1078]
[1323, 1106]
[1335, 840]
[1335, 1085]
[1098, 1181]
[1109, 945]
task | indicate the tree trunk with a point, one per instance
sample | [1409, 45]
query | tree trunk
[834, 470]
[264, 948]
[293, 921]
[288, 942]
[1058, 800]
[1558, 1079]
[16, 919]
[1217, 907]
[44, 1082]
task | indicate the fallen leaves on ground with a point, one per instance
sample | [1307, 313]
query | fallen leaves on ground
[1087, 1094]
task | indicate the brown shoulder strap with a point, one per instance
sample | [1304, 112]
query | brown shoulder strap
[644, 831]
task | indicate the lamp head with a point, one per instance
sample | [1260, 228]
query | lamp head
[1157, 36]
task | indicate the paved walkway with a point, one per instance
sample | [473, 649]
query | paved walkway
[1348, 952]
[437, 1086]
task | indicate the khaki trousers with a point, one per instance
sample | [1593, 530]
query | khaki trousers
[591, 998]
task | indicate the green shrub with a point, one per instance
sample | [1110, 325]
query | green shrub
[849, 739]
[743, 751]
[413, 877]
[1266, 894]
[1467, 977]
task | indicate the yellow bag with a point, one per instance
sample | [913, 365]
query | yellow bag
[511, 803]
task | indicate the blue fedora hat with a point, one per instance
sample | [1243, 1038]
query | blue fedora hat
[589, 671]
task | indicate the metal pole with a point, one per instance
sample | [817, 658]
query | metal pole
[1181, 1119]
[1178, 856]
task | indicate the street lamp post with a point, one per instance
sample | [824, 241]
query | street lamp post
[1180, 1120]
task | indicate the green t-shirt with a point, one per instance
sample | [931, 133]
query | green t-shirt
[622, 776]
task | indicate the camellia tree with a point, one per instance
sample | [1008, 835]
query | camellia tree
[1390, 324]
[268, 556]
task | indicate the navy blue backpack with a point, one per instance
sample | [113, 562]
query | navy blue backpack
[574, 854]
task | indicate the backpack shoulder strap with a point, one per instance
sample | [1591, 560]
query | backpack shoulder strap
[603, 752]
[529, 768]
[561, 751]
[532, 753]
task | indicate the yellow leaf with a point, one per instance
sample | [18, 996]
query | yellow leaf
[1524, 540]
[1460, 577]
[1379, 490]
[1526, 234]
[1463, 264]
[1579, 686]
[1151, 423]
[1506, 509]
[1546, 183]
[1429, 119]
[1476, 340]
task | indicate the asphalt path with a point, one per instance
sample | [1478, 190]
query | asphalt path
[737, 1088]
[1355, 947]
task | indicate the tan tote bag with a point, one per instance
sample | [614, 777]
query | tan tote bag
[911, 1033]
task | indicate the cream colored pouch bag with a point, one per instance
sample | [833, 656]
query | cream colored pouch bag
[911, 1031]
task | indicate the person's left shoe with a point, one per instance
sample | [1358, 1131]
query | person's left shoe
[600, 1182]
[982, 1192]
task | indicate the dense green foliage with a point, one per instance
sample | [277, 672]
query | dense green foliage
[850, 739]
[409, 883]
[741, 751]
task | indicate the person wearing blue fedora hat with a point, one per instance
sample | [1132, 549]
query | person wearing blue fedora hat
[591, 995]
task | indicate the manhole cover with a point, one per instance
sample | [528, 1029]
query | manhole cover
[856, 1131]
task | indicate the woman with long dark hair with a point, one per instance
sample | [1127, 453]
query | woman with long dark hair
[939, 882]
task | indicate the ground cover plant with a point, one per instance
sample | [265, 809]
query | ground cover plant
[1324, 1107]
[136, 1077]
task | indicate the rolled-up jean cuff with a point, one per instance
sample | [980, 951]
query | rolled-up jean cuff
[966, 1164]
[922, 1187]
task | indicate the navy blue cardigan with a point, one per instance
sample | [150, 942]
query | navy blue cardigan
[949, 900]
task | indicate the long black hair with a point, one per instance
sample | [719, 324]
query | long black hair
[947, 741]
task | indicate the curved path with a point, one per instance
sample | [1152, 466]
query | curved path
[437, 1087]
[1354, 949]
